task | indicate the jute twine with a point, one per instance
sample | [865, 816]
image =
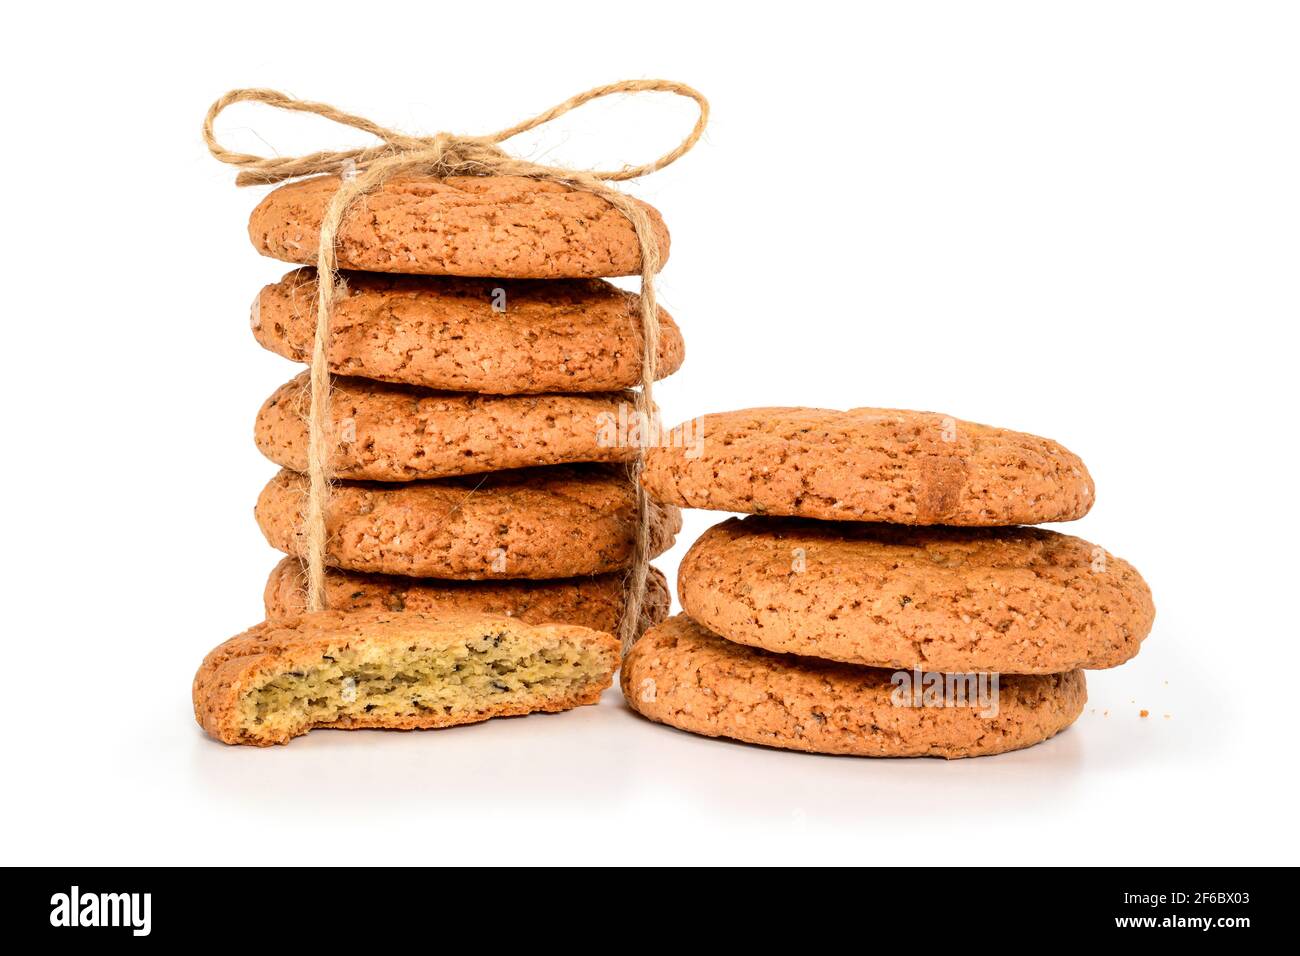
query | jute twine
[444, 154]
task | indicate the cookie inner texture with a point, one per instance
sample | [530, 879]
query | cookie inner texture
[413, 681]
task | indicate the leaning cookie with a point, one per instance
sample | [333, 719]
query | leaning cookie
[596, 602]
[1014, 600]
[384, 432]
[557, 522]
[867, 464]
[508, 227]
[404, 671]
[493, 336]
[682, 675]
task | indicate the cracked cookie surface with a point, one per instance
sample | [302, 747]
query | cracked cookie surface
[869, 464]
[558, 522]
[386, 432]
[494, 336]
[682, 675]
[498, 226]
[1014, 600]
[596, 602]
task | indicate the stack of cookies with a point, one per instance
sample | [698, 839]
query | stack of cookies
[483, 368]
[884, 598]
[479, 448]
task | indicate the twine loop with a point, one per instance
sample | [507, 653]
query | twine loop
[445, 154]
[364, 169]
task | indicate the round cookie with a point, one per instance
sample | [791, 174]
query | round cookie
[868, 464]
[495, 336]
[507, 227]
[682, 675]
[596, 602]
[559, 522]
[1012, 600]
[385, 432]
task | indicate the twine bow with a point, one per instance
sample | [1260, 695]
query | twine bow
[444, 154]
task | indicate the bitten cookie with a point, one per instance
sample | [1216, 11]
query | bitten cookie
[558, 522]
[501, 226]
[397, 671]
[596, 602]
[868, 464]
[684, 676]
[494, 336]
[385, 432]
[1014, 600]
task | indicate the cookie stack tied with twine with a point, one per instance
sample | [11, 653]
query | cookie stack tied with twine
[468, 435]
[884, 597]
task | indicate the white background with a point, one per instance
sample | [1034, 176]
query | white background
[1080, 220]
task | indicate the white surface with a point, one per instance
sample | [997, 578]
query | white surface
[1078, 220]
